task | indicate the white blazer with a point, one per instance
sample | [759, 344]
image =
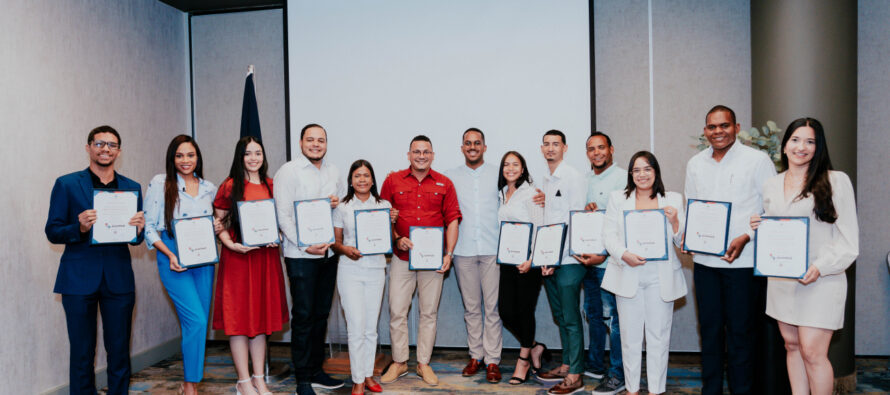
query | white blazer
[621, 278]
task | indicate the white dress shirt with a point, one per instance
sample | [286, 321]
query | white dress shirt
[477, 195]
[565, 190]
[344, 218]
[187, 206]
[297, 180]
[520, 207]
[737, 178]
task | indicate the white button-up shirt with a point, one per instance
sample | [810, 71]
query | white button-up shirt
[344, 218]
[521, 206]
[297, 180]
[477, 195]
[565, 190]
[187, 206]
[738, 178]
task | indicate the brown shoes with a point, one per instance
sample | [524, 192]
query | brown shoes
[472, 367]
[426, 373]
[493, 373]
[552, 376]
[565, 387]
[395, 371]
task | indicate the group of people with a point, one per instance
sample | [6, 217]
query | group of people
[469, 202]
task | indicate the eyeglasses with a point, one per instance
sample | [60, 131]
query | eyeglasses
[722, 126]
[101, 144]
[645, 170]
[423, 153]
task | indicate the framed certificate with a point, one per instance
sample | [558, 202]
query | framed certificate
[707, 227]
[586, 232]
[428, 247]
[514, 242]
[259, 222]
[315, 223]
[645, 234]
[782, 247]
[549, 241]
[373, 231]
[114, 209]
[195, 241]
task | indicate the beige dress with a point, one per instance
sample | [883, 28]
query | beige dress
[833, 248]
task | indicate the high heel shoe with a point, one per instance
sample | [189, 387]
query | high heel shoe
[261, 377]
[516, 380]
[546, 356]
[238, 391]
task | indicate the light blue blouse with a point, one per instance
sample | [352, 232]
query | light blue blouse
[186, 207]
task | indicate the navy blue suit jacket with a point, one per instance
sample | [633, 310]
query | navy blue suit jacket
[83, 265]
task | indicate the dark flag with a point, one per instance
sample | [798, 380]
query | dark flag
[250, 116]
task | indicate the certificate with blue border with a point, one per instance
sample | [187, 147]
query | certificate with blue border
[258, 221]
[549, 244]
[782, 247]
[373, 231]
[114, 209]
[428, 249]
[195, 241]
[315, 222]
[645, 234]
[514, 242]
[586, 232]
[707, 227]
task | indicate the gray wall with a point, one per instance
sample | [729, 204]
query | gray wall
[69, 66]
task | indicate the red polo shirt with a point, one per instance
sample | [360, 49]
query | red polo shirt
[430, 202]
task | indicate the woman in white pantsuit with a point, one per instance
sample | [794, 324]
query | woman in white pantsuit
[809, 310]
[360, 279]
[645, 290]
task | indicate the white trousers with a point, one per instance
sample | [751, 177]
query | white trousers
[361, 293]
[645, 313]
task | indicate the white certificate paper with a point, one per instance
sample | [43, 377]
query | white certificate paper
[259, 222]
[195, 241]
[315, 223]
[373, 235]
[549, 241]
[707, 227]
[427, 251]
[586, 232]
[781, 247]
[645, 234]
[114, 209]
[514, 242]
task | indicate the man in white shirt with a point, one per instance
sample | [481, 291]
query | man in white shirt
[725, 286]
[312, 270]
[478, 275]
[565, 189]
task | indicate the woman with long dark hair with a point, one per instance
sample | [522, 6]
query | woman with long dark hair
[250, 302]
[810, 309]
[182, 192]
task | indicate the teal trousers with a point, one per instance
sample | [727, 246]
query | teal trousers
[564, 294]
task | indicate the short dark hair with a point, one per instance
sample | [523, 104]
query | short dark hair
[554, 132]
[420, 137]
[312, 125]
[473, 130]
[598, 133]
[103, 129]
[657, 186]
[721, 107]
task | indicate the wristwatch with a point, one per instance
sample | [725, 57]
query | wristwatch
[451, 254]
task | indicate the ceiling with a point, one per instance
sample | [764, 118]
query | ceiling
[201, 6]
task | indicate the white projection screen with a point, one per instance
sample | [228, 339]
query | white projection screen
[375, 73]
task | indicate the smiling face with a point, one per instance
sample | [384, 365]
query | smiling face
[314, 144]
[185, 159]
[103, 156]
[253, 157]
[720, 131]
[512, 169]
[361, 180]
[801, 146]
[421, 155]
[553, 148]
[643, 174]
[599, 152]
[473, 147]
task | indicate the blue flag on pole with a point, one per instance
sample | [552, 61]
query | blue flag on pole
[250, 116]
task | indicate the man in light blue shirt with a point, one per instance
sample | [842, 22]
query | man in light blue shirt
[475, 265]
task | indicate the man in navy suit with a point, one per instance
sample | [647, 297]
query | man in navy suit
[94, 277]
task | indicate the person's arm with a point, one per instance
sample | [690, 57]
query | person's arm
[138, 220]
[283, 193]
[838, 254]
[450, 241]
[763, 171]
[154, 213]
[59, 228]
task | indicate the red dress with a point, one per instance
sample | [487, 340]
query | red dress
[250, 298]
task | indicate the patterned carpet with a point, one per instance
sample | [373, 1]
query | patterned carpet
[873, 376]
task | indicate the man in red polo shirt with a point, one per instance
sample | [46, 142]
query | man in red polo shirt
[423, 197]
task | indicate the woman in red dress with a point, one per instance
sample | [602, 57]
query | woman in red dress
[250, 302]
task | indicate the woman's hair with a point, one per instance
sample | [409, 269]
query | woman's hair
[523, 177]
[817, 181]
[350, 191]
[657, 187]
[171, 186]
[238, 174]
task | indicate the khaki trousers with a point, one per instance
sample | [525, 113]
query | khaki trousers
[402, 283]
[478, 278]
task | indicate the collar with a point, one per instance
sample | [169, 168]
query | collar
[605, 173]
[729, 154]
[303, 162]
[95, 178]
[180, 182]
[559, 169]
[435, 176]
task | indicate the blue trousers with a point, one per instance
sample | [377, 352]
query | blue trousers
[602, 316]
[191, 292]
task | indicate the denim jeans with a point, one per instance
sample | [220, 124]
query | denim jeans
[602, 317]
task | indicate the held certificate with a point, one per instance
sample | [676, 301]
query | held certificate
[114, 209]
[259, 222]
[549, 241]
[586, 232]
[428, 245]
[781, 247]
[514, 242]
[707, 227]
[195, 241]
[315, 222]
[645, 234]
[373, 235]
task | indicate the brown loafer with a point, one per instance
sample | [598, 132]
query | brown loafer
[564, 387]
[552, 376]
[472, 367]
[493, 373]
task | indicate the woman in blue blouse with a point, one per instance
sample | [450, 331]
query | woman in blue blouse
[182, 193]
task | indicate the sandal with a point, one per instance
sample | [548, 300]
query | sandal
[516, 380]
[545, 356]
[262, 378]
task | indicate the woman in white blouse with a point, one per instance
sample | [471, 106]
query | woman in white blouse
[360, 278]
[810, 309]
[645, 290]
